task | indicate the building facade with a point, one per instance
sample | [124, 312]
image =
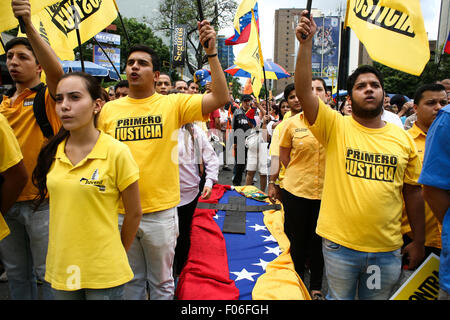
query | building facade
[224, 52]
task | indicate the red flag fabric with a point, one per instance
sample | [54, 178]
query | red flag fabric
[447, 45]
[207, 265]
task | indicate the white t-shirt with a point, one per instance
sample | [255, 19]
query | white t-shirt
[391, 117]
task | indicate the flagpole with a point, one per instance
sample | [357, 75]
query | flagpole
[343, 61]
[104, 52]
[123, 25]
[344, 55]
[2, 43]
[200, 13]
[22, 25]
[76, 19]
[266, 91]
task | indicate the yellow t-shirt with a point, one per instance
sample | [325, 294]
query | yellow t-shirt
[150, 128]
[21, 118]
[365, 171]
[10, 155]
[305, 172]
[85, 248]
[432, 226]
[274, 149]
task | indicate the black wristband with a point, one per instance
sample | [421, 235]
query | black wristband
[211, 55]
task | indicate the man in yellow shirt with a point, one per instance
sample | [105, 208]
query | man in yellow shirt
[369, 165]
[24, 250]
[428, 100]
[148, 123]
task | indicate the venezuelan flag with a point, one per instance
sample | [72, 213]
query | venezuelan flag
[256, 265]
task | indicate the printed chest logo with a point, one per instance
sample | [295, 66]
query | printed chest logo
[139, 128]
[28, 102]
[371, 166]
[94, 181]
[300, 130]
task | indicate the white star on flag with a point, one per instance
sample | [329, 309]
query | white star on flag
[269, 238]
[275, 250]
[244, 274]
[263, 264]
[258, 227]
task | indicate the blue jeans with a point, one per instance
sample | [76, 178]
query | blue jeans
[115, 293]
[24, 251]
[372, 275]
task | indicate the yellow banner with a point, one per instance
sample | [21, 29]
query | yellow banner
[2, 50]
[7, 19]
[57, 23]
[392, 31]
[423, 284]
[251, 60]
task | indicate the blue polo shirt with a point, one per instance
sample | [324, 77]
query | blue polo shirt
[436, 173]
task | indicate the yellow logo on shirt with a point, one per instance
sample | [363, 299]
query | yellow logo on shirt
[28, 102]
[371, 166]
[94, 181]
[139, 128]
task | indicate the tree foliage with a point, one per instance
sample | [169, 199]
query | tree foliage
[138, 33]
[403, 83]
[219, 13]
[141, 33]
[235, 88]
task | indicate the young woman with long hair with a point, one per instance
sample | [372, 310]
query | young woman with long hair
[86, 173]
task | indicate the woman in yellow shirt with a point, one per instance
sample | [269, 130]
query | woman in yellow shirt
[304, 159]
[86, 173]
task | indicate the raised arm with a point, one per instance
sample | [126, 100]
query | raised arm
[219, 95]
[43, 52]
[303, 68]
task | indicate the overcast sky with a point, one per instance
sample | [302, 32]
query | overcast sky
[430, 11]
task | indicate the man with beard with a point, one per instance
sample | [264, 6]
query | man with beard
[369, 165]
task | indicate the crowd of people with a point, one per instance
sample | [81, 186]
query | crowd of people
[99, 187]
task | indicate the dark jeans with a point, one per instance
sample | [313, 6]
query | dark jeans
[239, 168]
[185, 215]
[300, 221]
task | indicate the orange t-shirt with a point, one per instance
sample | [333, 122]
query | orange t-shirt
[21, 118]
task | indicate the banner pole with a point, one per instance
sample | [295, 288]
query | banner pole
[123, 25]
[343, 61]
[266, 91]
[2, 43]
[200, 13]
[76, 20]
[104, 52]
